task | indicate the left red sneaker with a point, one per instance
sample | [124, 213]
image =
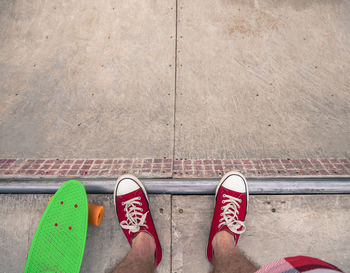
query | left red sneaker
[131, 204]
[230, 208]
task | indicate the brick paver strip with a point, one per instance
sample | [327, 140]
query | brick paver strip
[178, 168]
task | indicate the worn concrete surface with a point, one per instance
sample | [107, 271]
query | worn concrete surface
[87, 79]
[106, 245]
[255, 79]
[314, 226]
[309, 225]
[263, 78]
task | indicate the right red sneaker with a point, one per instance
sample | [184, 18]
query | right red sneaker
[230, 208]
[131, 204]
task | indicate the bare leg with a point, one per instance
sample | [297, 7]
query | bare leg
[141, 257]
[227, 257]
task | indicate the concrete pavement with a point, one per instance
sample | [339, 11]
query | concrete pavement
[182, 79]
[278, 226]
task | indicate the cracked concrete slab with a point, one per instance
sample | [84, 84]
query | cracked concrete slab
[262, 79]
[87, 79]
[277, 227]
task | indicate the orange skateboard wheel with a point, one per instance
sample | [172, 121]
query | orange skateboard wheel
[95, 214]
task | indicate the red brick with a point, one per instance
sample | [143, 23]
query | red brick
[208, 167]
[30, 172]
[157, 165]
[246, 161]
[157, 160]
[39, 161]
[188, 167]
[62, 172]
[276, 161]
[318, 167]
[126, 167]
[198, 167]
[72, 172]
[208, 161]
[28, 161]
[339, 166]
[55, 167]
[88, 162]
[334, 160]
[177, 162]
[49, 161]
[146, 166]
[108, 161]
[187, 162]
[78, 161]
[149, 160]
[36, 166]
[218, 167]
[168, 160]
[197, 162]
[68, 161]
[86, 167]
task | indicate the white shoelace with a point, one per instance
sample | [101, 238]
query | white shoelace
[229, 216]
[135, 219]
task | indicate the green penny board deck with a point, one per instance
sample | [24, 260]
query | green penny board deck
[59, 241]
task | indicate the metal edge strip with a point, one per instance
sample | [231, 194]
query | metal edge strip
[183, 186]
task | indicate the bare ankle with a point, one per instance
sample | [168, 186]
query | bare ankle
[144, 244]
[223, 241]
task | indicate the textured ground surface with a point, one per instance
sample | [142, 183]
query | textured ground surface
[277, 226]
[175, 79]
[158, 167]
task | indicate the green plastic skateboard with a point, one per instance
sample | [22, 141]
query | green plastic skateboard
[59, 241]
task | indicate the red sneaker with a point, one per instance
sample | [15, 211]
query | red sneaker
[131, 204]
[230, 208]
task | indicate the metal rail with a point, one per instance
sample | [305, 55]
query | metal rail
[262, 185]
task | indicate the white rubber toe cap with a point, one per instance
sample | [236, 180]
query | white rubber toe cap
[235, 183]
[126, 186]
